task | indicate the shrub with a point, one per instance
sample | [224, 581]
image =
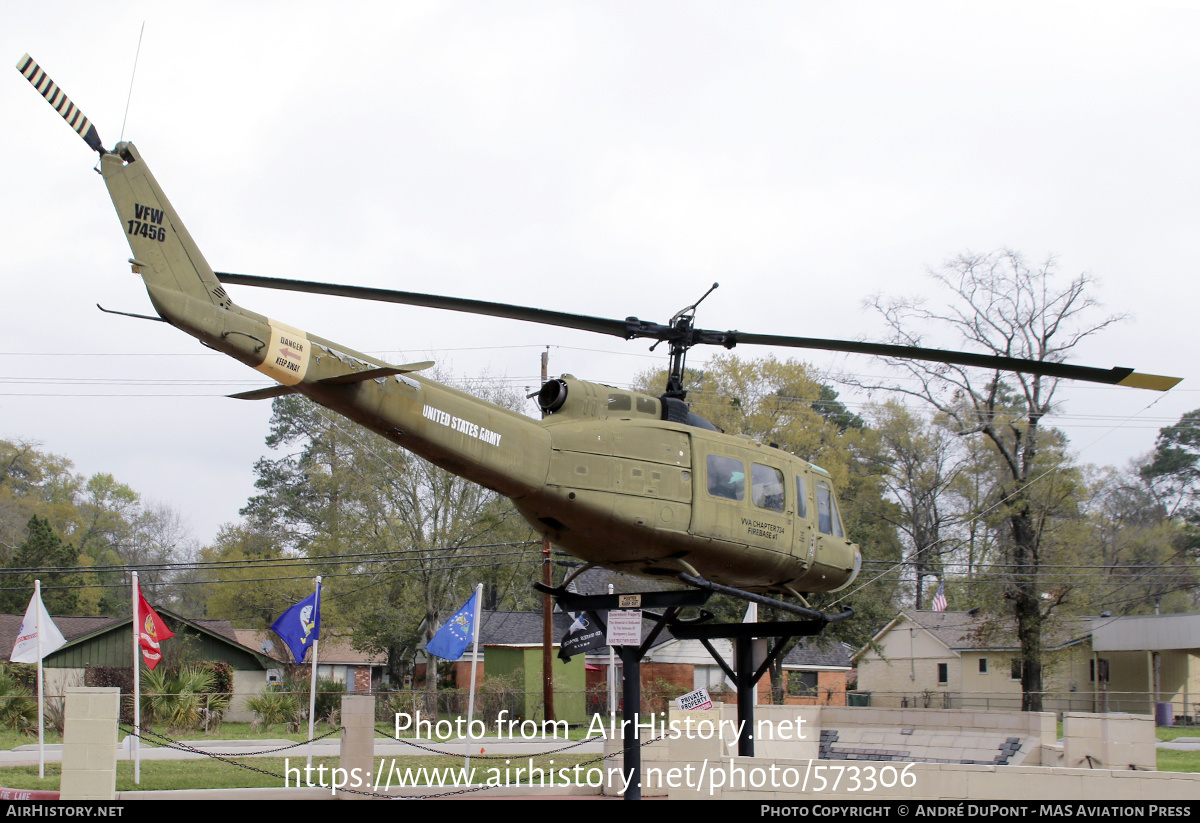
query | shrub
[273, 707]
[18, 710]
[181, 701]
[329, 699]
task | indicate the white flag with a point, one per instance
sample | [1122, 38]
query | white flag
[25, 649]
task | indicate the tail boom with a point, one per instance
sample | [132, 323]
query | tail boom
[464, 434]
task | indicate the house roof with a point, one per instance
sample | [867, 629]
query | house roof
[333, 651]
[76, 630]
[807, 655]
[1149, 632]
[513, 628]
[72, 628]
[497, 628]
[596, 581]
[964, 631]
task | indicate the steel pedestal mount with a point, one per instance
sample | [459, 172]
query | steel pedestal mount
[744, 673]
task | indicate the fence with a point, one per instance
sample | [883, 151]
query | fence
[1184, 712]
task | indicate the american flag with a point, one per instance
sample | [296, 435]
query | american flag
[939, 599]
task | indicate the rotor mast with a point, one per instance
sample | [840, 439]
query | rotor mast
[681, 337]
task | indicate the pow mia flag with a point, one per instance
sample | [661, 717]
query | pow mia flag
[586, 633]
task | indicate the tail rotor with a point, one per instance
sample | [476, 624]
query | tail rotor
[61, 103]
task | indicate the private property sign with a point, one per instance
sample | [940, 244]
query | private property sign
[695, 701]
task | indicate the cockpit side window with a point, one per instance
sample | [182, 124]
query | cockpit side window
[828, 521]
[766, 482]
[801, 497]
[726, 477]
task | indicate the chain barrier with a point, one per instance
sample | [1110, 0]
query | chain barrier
[408, 742]
[179, 745]
[147, 734]
[166, 742]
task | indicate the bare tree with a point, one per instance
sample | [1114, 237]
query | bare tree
[999, 305]
[921, 469]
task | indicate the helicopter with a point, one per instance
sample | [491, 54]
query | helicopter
[621, 479]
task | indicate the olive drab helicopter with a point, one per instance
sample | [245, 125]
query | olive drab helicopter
[621, 479]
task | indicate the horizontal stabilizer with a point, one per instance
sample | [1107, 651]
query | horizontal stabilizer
[374, 374]
[271, 392]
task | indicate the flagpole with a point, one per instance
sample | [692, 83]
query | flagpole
[137, 688]
[312, 685]
[37, 594]
[474, 665]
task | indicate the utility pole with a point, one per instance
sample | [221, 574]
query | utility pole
[547, 602]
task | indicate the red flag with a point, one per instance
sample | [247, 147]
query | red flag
[151, 631]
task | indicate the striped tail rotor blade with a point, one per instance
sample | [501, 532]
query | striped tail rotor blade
[61, 103]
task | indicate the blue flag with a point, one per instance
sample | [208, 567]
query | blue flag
[455, 634]
[300, 625]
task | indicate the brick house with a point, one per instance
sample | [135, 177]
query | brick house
[337, 660]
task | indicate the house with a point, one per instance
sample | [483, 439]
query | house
[968, 660]
[107, 641]
[811, 674]
[1147, 660]
[510, 646]
[815, 675]
[337, 660]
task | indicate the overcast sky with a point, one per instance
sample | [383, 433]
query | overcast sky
[609, 158]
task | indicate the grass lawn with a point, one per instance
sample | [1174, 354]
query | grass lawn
[215, 774]
[244, 731]
[1172, 732]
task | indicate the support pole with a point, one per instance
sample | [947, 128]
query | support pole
[743, 655]
[631, 693]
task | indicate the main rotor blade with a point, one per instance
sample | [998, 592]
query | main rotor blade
[1118, 376]
[601, 325]
[632, 327]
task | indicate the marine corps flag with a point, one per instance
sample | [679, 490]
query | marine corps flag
[151, 631]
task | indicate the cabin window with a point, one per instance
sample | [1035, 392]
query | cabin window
[983, 665]
[801, 497]
[767, 485]
[726, 477]
[619, 402]
[828, 521]
[943, 673]
[1017, 667]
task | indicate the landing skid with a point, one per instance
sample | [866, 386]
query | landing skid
[763, 600]
[717, 588]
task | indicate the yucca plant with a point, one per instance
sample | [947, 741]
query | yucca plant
[274, 706]
[18, 710]
[177, 701]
